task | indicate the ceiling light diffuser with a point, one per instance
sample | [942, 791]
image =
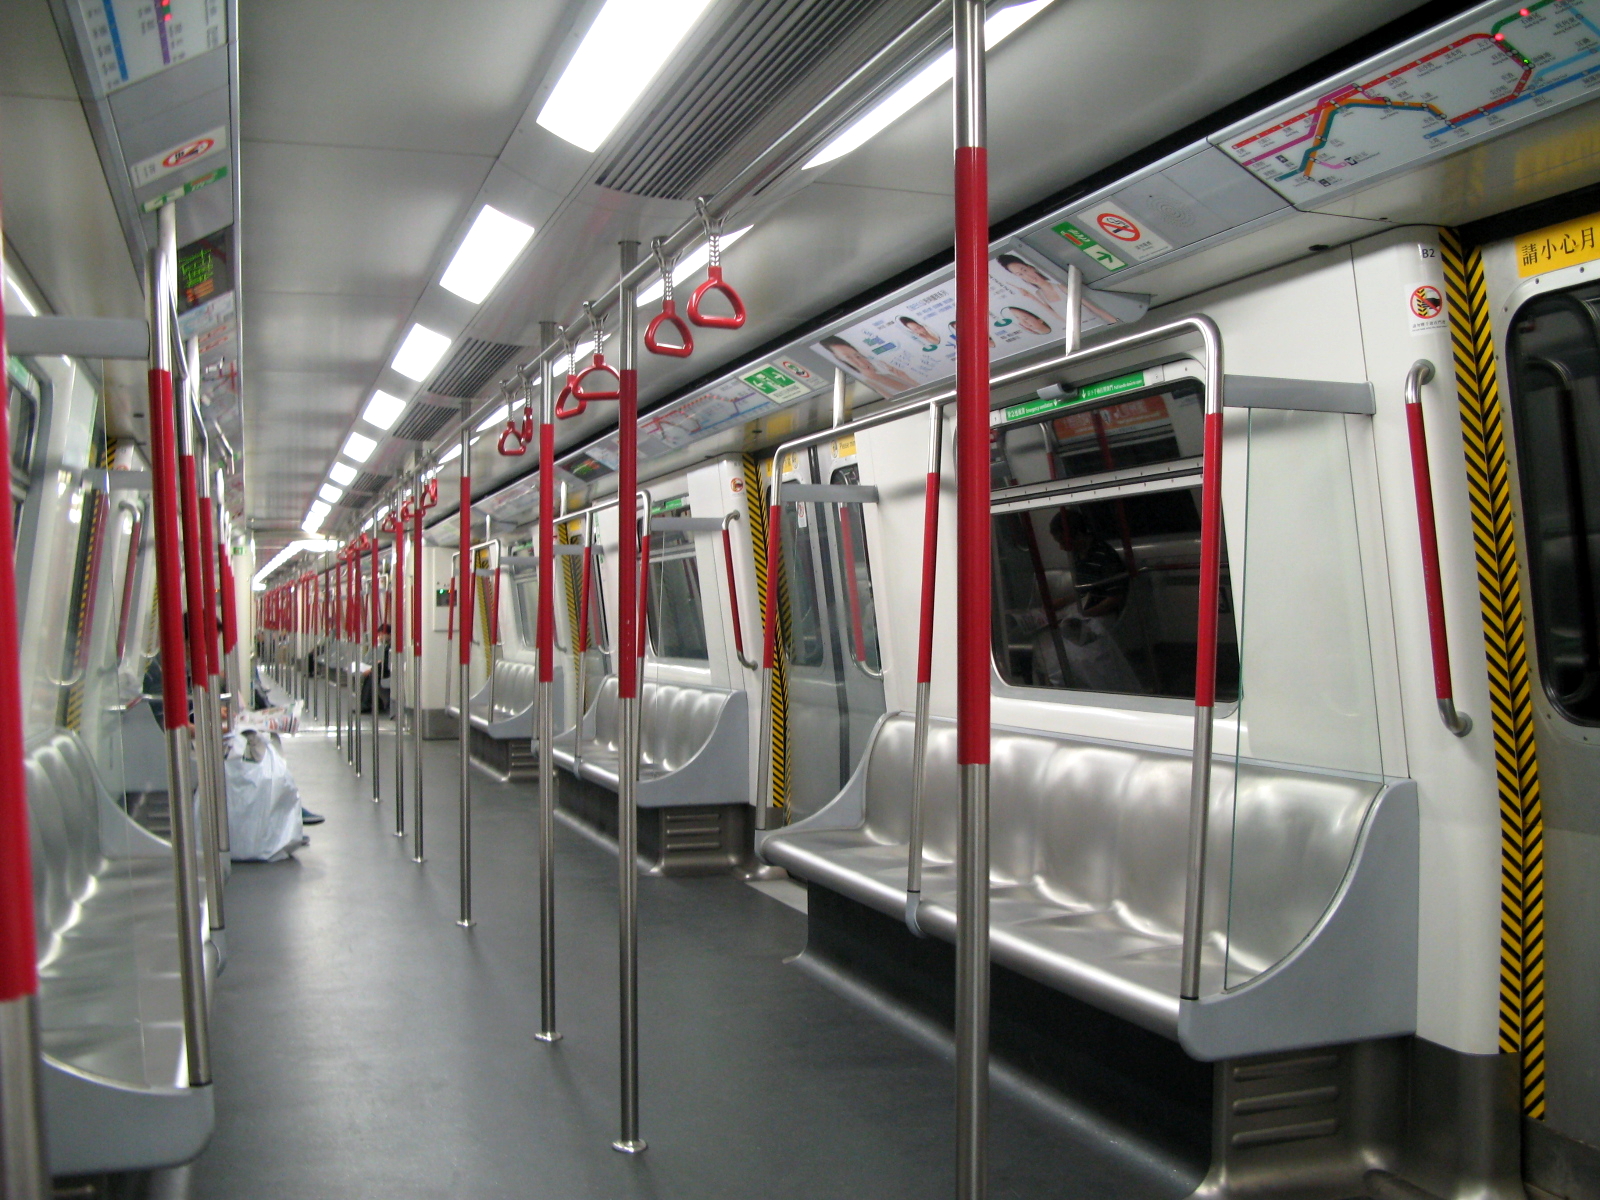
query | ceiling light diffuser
[330, 493]
[494, 418]
[383, 410]
[315, 516]
[359, 447]
[453, 452]
[920, 86]
[342, 473]
[420, 352]
[314, 545]
[689, 265]
[486, 253]
[619, 56]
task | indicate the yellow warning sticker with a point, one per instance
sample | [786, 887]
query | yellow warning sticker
[1564, 245]
[845, 447]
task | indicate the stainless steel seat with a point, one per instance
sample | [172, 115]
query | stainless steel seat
[1313, 874]
[693, 745]
[110, 1000]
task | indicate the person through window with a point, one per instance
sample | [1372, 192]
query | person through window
[1078, 647]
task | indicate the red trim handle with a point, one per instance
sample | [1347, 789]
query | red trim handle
[135, 538]
[972, 456]
[416, 575]
[598, 367]
[769, 597]
[714, 282]
[1205, 651]
[516, 435]
[209, 582]
[545, 629]
[565, 410]
[669, 316]
[468, 585]
[930, 566]
[230, 603]
[169, 563]
[19, 970]
[450, 628]
[858, 637]
[733, 591]
[627, 638]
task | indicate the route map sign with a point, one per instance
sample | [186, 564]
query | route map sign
[1500, 66]
[129, 40]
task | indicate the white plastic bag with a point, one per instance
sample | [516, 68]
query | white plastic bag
[263, 802]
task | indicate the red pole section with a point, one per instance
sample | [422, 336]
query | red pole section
[397, 631]
[377, 611]
[628, 534]
[169, 562]
[135, 539]
[769, 595]
[1205, 657]
[644, 593]
[450, 629]
[466, 592]
[1427, 531]
[19, 970]
[545, 636]
[208, 567]
[972, 455]
[416, 580]
[733, 591]
[193, 573]
[930, 567]
[584, 599]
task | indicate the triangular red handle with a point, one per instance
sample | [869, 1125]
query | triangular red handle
[668, 316]
[715, 283]
[563, 410]
[599, 365]
[523, 437]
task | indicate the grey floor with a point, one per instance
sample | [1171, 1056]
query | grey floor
[365, 1046]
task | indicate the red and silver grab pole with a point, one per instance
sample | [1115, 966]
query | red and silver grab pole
[422, 505]
[24, 1172]
[1456, 722]
[194, 581]
[464, 666]
[919, 751]
[1205, 668]
[733, 591]
[396, 524]
[233, 677]
[627, 642]
[213, 636]
[545, 649]
[972, 603]
[581, 642]
[174, 666]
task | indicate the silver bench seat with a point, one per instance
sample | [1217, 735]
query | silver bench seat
[504, 707]
[693, 745]
[110, 999]
[1312, 885]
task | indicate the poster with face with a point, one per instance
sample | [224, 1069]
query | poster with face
[914, 343]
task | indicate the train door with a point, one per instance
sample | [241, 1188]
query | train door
[1547, 327]
[835, 687]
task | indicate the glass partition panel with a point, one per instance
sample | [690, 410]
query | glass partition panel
[1291, 798]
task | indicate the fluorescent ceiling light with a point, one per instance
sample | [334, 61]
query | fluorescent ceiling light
[688, 266]
[619, 56]
[315, 516]
[420, 352]
[314, 545]
[330, 493]
[494, 418]
[342, 473]
[920, 86]
[452, 453]
[359, 447]
[383, 410]
[487, 252]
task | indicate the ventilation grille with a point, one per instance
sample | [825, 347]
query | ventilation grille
[362, 489]
[474, 364]
[740, 76]
[424, 420]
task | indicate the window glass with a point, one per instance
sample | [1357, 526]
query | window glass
[1101, 595]
[675, 613]
[803, 620]
[1555, 389]
[850, 536]
[23, 415]
[525, 601]
[1059, 438]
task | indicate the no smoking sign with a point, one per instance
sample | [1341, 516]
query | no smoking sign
[1112, 225]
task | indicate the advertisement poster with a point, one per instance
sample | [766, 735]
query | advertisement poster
[914, 343]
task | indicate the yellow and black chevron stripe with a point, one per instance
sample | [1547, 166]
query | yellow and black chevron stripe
[93, 532]
[571, 568]
[1505, 646]
[755, 500]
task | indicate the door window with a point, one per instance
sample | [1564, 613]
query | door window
[1555, 404]
[675, 613]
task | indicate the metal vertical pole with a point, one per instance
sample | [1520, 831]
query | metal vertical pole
[627, 642]
[464, 666]
[416, 668]
[175, 701]
[357, 601]
[209, 591]
[200, 660]
[397, 642]
[24, 1173]
[919, 748]
[972, 604]
[546, 650]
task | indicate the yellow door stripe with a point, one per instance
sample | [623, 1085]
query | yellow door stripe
[755, 502]
[1505, 647]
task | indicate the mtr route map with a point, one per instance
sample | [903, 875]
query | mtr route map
[1494, 69]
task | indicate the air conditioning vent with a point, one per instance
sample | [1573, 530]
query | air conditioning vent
[780, 55]
[473, 365]
[423, 420]
[362, 488]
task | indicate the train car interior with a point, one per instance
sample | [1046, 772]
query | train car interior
[695, 599]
